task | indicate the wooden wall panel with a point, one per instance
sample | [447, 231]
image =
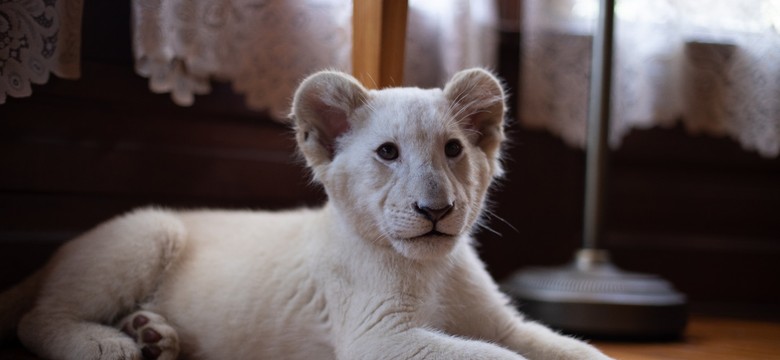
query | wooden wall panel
[75, 154]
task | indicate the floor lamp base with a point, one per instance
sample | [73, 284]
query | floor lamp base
[593, 298]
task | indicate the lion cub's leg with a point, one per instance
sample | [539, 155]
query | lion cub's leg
[97, 278]
[153, 336]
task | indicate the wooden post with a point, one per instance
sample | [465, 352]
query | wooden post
[378, 42]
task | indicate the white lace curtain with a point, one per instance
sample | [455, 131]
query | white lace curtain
[712, 64]
[37, 38]
[265, 47]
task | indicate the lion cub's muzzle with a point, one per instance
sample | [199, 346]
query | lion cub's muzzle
[434, 213]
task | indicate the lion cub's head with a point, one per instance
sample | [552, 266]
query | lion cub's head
[408, 167]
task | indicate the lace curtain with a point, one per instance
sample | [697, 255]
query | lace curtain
[265, 47]
[37, 37]
[714, 65]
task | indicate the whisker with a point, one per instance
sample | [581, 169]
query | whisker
[480, 224]
[494, 215]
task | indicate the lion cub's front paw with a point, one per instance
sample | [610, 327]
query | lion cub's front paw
[154, 337]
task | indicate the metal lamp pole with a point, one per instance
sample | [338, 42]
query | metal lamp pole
[590, 296]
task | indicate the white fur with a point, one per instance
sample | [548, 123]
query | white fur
[363, 277]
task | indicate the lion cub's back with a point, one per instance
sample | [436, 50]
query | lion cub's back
[242, 244]
[239, 272]
[237, 228]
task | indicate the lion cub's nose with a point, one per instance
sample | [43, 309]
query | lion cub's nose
[431, 213]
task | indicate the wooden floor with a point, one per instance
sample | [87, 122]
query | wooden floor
[710, 339]
[706, 339]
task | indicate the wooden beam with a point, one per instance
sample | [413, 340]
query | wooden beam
[378, 42]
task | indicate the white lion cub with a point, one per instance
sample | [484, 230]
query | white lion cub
[385, 270]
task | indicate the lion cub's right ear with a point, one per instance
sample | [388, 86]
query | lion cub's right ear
[322, 110]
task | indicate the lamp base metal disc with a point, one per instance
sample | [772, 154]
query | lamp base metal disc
[593, 298]
[610, 321]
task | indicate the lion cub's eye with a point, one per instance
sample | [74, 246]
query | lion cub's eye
[453, 148]
[387, 151]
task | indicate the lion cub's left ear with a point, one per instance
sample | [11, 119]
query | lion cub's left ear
[322, 109]
[477, 100]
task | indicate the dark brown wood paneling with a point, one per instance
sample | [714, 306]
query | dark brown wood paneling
[79, 152]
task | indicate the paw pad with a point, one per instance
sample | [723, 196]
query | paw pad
[154, 337]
